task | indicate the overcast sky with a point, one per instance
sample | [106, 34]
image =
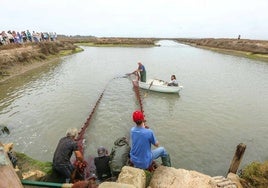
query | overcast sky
[139, 18]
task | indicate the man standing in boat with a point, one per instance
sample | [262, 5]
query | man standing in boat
[142, 138]
[142, 72]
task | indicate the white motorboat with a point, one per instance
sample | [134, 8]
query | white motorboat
[158, 86]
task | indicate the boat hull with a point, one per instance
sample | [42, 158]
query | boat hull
[159, 86]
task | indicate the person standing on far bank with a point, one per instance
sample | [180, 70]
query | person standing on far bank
[142, 71]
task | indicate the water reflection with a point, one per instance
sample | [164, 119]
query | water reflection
[25, 84]
[165, 100]
[170, 44]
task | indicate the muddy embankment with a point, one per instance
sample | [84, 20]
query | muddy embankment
[110, 41]
[253, 49]
[19, 58]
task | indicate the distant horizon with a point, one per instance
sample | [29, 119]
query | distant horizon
[79, 35]
[161, 37]
[192, 37]
[89, 35]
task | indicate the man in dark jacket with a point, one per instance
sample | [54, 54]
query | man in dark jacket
[102, 164]
[63, 153]
[119, 156]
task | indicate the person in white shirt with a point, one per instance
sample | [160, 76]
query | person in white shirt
[173, 81]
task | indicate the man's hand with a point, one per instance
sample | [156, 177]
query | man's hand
[79, 156]
[146, 126]
[156, 144]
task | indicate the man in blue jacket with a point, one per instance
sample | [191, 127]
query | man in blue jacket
[141, 154]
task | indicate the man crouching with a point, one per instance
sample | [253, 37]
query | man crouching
[63, 153]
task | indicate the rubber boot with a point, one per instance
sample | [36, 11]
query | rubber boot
[166, 161]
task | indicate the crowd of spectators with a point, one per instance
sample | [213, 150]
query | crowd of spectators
[26, 36]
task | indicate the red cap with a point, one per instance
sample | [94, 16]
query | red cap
[138, 116]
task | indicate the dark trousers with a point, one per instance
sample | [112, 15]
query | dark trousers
[65, 170]
[143, 76]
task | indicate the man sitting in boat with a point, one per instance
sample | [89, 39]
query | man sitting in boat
[173, 81]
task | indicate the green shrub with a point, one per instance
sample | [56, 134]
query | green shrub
[256, 174]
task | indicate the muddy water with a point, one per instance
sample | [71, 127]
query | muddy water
[224, 102]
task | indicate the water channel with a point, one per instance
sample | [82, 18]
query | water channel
[224, 102]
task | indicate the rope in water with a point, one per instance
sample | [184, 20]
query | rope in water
[81, 167]
[137, 92]
[80, 138]
[84, 168]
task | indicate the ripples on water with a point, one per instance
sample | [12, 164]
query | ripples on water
[224, 102]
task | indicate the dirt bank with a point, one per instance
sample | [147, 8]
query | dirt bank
[110, 41]
[253, 49]
[16, 59]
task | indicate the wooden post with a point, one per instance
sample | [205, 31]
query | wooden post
[240, 149]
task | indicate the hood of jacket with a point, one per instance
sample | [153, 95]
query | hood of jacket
[121, 141]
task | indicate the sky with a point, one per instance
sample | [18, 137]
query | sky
[139, 18]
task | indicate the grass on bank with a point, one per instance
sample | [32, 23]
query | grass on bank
[249, 55]
[69, 52]
[26, 164]
[256, 174]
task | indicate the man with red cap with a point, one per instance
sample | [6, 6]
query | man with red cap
[141, 154]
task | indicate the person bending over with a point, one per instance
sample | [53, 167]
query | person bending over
[62, 155]
[142, 71]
